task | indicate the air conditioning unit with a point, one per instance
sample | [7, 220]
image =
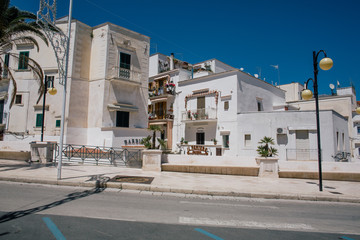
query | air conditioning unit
[281, 130]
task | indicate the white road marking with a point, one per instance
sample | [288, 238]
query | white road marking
[245, 224]
[227, 204]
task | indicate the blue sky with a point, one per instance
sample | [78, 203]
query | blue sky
[244, 34]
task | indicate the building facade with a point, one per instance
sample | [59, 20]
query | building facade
[107, 94]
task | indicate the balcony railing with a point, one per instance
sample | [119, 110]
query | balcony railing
[170, 90]
[199, 114]
[125, 74]
[160, 115]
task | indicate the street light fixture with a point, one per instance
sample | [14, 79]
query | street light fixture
[52, 91]
[325, 64]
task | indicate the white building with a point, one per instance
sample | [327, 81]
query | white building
[218, 110]
[106, 101]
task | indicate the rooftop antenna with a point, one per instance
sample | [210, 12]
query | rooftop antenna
[278, 70]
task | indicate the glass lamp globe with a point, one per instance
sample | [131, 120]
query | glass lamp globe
[326, 63]
[358, 110]
[52, 91]
[306, 94]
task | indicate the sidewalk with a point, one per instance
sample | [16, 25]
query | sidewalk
[183, 183]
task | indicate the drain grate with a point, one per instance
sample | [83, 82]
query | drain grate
[132, 179]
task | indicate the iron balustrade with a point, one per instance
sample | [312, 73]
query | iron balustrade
[199, 114]
[125, 74]
[102, 155]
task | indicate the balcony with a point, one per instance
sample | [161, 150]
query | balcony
[167, 91]
[204, 115]
[161, 116]
[126, 76]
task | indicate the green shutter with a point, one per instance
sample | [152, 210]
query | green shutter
[23, 60]
[39, 117]
[57, 123]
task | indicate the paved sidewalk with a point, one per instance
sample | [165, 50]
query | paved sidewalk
[183, 183]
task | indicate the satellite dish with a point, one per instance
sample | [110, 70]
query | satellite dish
[331, 86]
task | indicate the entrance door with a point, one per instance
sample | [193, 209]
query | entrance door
[200, 138]
[302, 145]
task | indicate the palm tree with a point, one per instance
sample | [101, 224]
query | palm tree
[265, 150]
[146, 141]
[17, 26]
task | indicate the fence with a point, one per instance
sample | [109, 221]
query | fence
[99, 155]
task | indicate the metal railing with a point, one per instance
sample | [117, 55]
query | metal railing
[125, 74]
[301, 154]
[199, 114]
[99, 155]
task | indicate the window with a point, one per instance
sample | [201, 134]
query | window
[226, 105]
[23, 60]
[58, 123]
[200, 138]
[225, 141]
[358, 130]
[1, 110]
[125, 60]
[122, 119]
[18, 99]
[39, 118]
[247, 140]
[259, 105]
[6, 64]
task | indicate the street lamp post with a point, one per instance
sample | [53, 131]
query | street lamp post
[52, 91]
[325, 64]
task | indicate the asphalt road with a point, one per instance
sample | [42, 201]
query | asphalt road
[30, 211]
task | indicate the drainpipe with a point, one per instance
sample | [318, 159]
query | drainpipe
[171, 61]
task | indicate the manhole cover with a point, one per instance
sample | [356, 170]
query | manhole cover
[132, 179]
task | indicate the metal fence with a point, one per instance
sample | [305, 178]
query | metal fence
[99, 155]
[301, 154]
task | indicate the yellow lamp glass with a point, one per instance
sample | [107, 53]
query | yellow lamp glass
[326, 63]
[52, 91]
[358, 110]
[306, 94]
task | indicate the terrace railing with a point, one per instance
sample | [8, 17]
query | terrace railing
[99, 155]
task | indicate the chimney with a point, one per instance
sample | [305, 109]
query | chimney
[171, 61]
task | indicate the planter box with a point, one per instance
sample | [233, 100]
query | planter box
[151, 160]
[42, 152]
[269, 166]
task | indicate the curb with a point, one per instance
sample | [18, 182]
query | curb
[164, 189]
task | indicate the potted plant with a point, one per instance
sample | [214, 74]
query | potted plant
[182, 140]
[214, 140]
[267, 160]
[264, 149]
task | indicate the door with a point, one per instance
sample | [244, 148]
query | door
[200, 138]
[302, 145]
[201, 107]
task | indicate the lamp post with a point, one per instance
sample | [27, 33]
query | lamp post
[52, 91]
[325, 64]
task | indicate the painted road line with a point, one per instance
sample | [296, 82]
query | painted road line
[53, 228]
[227, 204]
[346, 238]
[208, 234]
[244, 224]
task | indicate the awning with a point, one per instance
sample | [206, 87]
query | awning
[122, 107]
